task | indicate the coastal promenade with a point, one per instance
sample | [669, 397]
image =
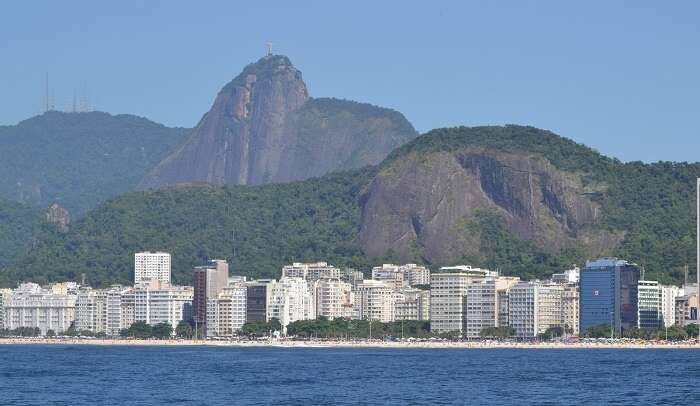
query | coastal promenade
[638, 344]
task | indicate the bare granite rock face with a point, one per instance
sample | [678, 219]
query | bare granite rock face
[422, 205]
[264, 128]
[58, 216]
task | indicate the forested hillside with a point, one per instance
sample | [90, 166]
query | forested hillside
[258, 229]
[650, 208]
[17, 225]
[79, 159]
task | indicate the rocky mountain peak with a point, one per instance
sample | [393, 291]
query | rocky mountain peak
[262, 129]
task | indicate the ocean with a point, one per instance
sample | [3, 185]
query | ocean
[207, 375]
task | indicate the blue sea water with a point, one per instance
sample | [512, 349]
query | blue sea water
[130, 375]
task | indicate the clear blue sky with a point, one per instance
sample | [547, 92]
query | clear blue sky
[620, 76]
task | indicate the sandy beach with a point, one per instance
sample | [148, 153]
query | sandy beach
[359, 344]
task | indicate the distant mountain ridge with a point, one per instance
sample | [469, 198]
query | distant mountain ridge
[79, 159]
[263, 127]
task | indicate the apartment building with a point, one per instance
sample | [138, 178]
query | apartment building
[152, 265]
[91, 310]
[534, 307]
[334, 298]
[374, 300]
[32, 306]
[227, 313]
[157, 302]
[291, 300]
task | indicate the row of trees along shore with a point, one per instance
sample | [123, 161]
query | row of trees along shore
[323, 328]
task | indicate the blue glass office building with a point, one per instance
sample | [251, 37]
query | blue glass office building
[608, 294]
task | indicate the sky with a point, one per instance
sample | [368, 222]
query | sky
[620, 76]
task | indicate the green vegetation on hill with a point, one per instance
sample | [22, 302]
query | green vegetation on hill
[79, 159]
[369, 132]
[318, 219]
[267, 226]
[513, 256]
[17, 225]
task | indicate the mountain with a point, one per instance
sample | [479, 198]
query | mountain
[264, 128]
[522, 200]
[485, 194]
[79, 159]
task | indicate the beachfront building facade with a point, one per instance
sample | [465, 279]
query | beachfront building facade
[534, 307]
[334, 298]
[374, 300]
[258, 294]
[227, 313]
[156, 302]
[91, 310]
[649, 316]
[570, 309]
[448, 291]
[208, 280]
[669, 293]
[290, 300]
[608, 292]
[480, 309]
[152, 265]
[32, 306]
[119, 314]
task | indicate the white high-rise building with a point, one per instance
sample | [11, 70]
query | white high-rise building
[120, 309]
[534, 307]
[334, 299]
[151, 265]
[480, 307]
[374, 300]
[91, 310]
[311, 271]
[448, 292]
[157, 302]
[31, 306]
[668, 304]
[227, 313]
[290, 300]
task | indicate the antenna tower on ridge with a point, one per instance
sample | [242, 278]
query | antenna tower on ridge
[46, 94]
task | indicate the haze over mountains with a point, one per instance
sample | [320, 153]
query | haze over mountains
[519, 199]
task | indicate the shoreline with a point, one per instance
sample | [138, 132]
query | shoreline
[356, 344]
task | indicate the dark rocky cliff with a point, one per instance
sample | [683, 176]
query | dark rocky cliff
[264, 128]
[424, 205]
